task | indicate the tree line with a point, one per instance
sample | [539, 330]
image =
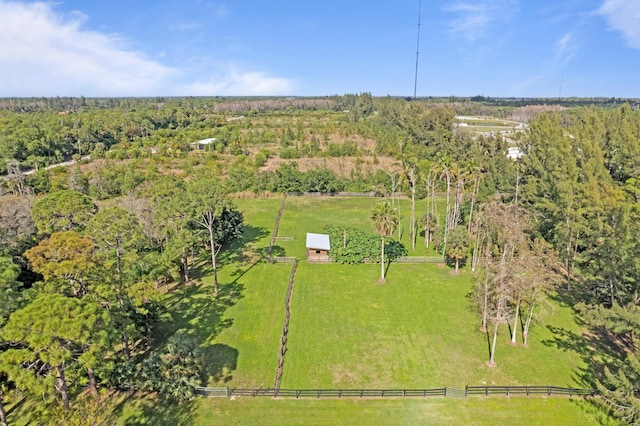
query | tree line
[88, 315]
[563, 219]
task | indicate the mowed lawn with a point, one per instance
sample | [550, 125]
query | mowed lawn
[435, 411]
[418, 330]
[311, 214]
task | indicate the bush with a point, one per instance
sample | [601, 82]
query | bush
[360, 246]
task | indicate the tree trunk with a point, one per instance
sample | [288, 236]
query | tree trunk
[527, 323]
[493, 345]
[125, 344]
[448, 214]
[118, 262]
[485, 304]
[568, 249]
[426, 237]
[3, 416]
[61, 386]
[213, 258]
[399, 222]
[185, 266]
[413, 213]
[517, 184]
[514, 329]
[148, 323]
[477, 249]
[382, 261]
[93, 383]
[457, 263]
[474, 195]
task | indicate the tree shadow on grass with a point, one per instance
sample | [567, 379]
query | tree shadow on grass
[238, 251]
[154, 410]
[241, 250]
[570, 298]
[451, 262]
[587, 346]
[199, 313]
[220, 361]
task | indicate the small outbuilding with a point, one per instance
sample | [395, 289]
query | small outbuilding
[203, 144]
[318, 247]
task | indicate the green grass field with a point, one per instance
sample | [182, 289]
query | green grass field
[416, 331]
[311, 214]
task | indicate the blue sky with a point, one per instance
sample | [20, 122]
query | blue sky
[528, 48]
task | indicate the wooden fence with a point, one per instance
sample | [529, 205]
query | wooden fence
[528, 390]
[419, 259]
[276, 226]
[511, 391]
[335, 194]
[213, 392]
[283, 259]
[285, 327]
[339, 393]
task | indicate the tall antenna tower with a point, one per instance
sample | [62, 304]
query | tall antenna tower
[415, 82]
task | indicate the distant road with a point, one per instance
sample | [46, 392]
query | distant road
[63, 164]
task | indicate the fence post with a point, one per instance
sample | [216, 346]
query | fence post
[466, 390]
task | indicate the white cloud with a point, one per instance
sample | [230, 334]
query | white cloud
[623, 16]
[239, 83]
[565, 48]
[45, 53]
[473, 18]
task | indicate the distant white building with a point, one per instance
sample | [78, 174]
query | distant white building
[202, 144]
[514, 153]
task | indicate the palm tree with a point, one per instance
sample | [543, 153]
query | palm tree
[385, 221]
[458, 247]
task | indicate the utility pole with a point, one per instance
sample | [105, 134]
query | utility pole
[415, 83]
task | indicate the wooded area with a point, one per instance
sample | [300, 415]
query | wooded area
[88, 249]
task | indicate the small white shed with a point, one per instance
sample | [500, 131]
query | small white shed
[202, 144]
[318, 247]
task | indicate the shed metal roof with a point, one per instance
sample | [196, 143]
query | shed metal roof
[318, 241]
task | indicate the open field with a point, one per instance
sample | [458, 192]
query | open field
[437, 411]
[416, 331]
[310, 214]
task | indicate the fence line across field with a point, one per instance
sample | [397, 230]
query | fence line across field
[283, 259]
[418, 259]
[447, 392]
[274, 235]
[285, 327]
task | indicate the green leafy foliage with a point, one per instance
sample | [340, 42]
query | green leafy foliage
[65, 210]
[360, 246]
